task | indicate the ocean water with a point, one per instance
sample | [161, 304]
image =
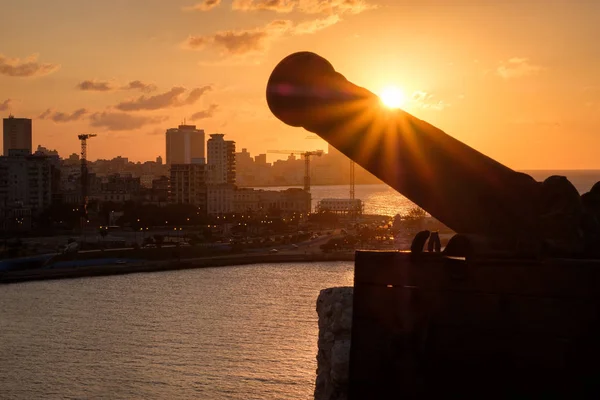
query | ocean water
[221, 333]
[383, 200]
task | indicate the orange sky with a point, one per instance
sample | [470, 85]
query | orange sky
[518, 81]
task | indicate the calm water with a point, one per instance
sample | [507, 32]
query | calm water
[383, 200]
[224, 333]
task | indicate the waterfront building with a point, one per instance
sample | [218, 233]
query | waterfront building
[17, 134]
[340, 206]
[27, 183]
[290, 201]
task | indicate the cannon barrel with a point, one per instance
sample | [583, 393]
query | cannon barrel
[461, 187]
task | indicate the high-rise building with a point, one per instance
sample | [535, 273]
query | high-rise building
[185, 145]
[159, 159]
[17, 134]
[221, 160]
[26, 186]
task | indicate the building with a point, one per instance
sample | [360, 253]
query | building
[184, 145]
[188, 185]
[246, 200]
[340, 206]
[221, 160]
[26, 185]
[116, 188]
[17, 134]
[261, 159]
[146, 181]
[159, 160]
[286, 202]
[219, 198]
[42, 151]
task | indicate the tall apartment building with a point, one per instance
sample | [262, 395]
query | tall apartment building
[17, 134]
[188, 185]
[185, 145]
[27, 183]
[221, 175]
[221, 160]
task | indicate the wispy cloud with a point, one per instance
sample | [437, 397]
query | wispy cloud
[281, 6]
[62, 117]
[315, 25]
[517, 67]
[334, 6]
[5, 105]
[204, 114]
[141, 86]
[171, 98]
[27, 67]
[204, 5]
[427, 100]
[95, 86]
[305, 6]
[118, 121]
[258, 40]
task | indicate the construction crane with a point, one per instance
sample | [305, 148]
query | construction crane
[307, 155]
[84, 173]
[352, 192]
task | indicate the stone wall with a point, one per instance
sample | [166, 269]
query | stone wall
[334, 308]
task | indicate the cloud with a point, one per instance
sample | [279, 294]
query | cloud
[61, 117]
[305, 6]
[308, 27]
[172, 98]
[334, 6]
[243, 42]
[139, 85]
[27, 67]
[204, 5]
[5, 105]
[281, 6]
[204, 114]
[427, 100]
[517, 67]
[95, 86]
[117, 121]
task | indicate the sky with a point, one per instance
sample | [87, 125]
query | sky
[516, 80]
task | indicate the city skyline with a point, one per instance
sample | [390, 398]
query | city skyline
[522, 95]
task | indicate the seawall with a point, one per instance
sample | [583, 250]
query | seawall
[334, 308]
[166, 265]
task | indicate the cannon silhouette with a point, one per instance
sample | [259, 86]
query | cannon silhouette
[466, 190]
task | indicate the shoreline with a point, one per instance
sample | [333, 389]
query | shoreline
[170, 265]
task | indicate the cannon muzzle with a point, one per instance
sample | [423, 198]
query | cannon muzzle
[463, 188]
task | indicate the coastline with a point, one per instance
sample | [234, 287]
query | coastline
[169, 265]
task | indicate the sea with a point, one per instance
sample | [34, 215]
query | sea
[247, 332]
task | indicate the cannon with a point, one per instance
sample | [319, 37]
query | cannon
[469, 192]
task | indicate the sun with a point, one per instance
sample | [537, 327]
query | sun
[392, 97]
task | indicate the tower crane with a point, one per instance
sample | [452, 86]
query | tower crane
[84, 172]
[307, 155]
